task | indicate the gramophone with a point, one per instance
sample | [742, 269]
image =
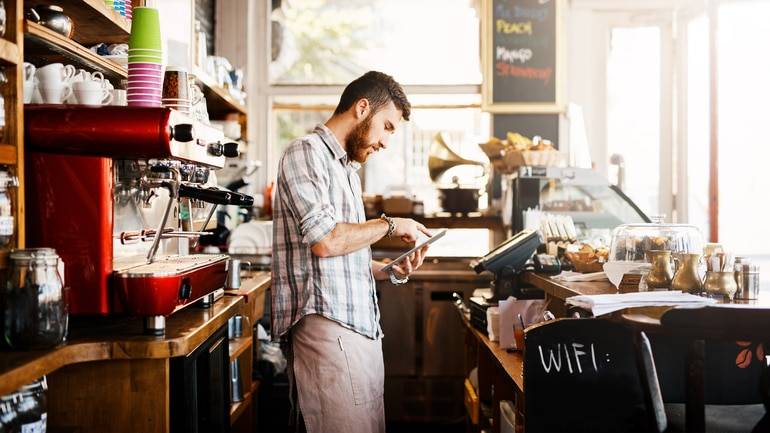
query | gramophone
[455, 198]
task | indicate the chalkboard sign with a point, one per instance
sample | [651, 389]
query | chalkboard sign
[529, 125]
[582, 375]
[521, 56]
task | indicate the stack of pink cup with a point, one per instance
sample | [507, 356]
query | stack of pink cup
[145, 57]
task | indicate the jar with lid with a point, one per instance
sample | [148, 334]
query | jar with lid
[35, 313]
[7, 225]
[32, 409]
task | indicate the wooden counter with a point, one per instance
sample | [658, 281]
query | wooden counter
[563, 290]
[108, 374]
[500, 375]
[511, 362]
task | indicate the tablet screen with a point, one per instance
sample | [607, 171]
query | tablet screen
[436, 236]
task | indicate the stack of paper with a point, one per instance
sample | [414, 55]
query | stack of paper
[570, 276]
[604, 304]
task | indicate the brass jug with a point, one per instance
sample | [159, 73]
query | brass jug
[721, 284]
[686, 277]
[660, 275]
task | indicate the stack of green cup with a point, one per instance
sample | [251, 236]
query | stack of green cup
[144, 44]
[145, 58]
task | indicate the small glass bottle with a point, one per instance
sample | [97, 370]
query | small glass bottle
[3, 19]
[7, 222]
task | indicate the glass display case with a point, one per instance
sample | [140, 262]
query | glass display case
[595, 206]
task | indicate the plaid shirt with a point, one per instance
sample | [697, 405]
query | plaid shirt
[316, 188]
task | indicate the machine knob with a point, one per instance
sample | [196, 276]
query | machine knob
[231, 150]
[182, 133]
[216, 149]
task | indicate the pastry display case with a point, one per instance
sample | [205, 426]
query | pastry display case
[595, 205]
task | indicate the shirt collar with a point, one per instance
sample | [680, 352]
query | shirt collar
[328, 137]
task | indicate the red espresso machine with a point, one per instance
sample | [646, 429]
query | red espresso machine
[114, 190]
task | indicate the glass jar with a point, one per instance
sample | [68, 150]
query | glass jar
[35, 313]
[9, 418]
[33, 406]
[7, 224]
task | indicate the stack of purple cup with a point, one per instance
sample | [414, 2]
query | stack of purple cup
[145, 57]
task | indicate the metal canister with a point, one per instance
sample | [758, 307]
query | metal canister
[747, 277]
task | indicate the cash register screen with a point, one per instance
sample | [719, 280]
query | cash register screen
[512, 253]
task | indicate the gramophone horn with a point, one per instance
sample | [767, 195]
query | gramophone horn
[441, 158]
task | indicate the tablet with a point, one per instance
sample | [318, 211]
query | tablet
[436, 236]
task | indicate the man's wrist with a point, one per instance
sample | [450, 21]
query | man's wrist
[395, 280]
[391, 225]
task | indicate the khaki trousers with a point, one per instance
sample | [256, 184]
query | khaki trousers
[339, 377]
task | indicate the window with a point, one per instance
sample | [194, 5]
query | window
[335, 41]
[431, 47]
[744, 88]
[697, 127]
[633, 111]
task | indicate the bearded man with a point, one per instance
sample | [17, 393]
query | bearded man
[324, 304]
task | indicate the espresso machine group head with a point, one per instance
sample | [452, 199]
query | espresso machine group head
[116, 191]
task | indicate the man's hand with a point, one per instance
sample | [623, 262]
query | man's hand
[409, 230]
[410, 263]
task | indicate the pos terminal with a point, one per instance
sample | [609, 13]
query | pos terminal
[505, 262]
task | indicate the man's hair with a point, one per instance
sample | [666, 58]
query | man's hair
[378, 89]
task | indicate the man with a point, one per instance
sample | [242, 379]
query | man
[323, 295]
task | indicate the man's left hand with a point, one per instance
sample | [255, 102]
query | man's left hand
[411, 263]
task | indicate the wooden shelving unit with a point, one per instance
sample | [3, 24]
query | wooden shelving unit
[8, 154]
[219, 101]
[237, 409]
[9, 52]
[45, 46]
[239, 345]
[94, 22]
[12, 147]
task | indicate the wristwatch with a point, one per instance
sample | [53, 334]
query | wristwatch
[395, 280]
[391, 224]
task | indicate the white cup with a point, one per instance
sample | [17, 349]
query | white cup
[91, 93]
[119, 97]
[29, 90]
[29, 72]
[54, 94]
[54, 73]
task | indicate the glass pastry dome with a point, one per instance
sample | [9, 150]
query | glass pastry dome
[630, 241]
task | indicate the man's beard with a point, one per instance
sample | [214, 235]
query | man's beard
[357, 146]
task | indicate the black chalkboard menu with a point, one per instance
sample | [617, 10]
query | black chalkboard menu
[520, 53]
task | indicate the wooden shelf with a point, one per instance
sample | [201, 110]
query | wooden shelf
[8, 154]
[237, 409]
[9, 52]
[239, 345]
[219, 102]
[94, 22]
[43, 45]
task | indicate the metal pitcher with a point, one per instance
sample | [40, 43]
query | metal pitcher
[660, 275]
[686, 277]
